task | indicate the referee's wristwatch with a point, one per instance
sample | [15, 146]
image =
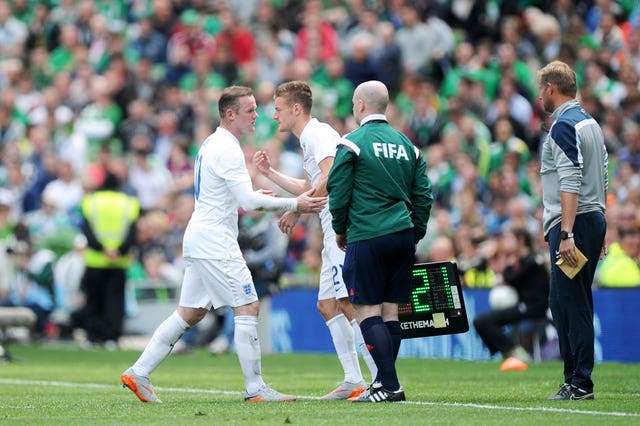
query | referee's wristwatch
[565, 235]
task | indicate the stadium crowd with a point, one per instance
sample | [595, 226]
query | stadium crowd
[130, 87]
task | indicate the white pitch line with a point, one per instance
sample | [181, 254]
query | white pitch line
[431, 403]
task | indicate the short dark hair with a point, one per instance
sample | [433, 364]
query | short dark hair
[296, 92]
[229, 98]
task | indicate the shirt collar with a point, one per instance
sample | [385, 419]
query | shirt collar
[231, 135]
[372, 117]
[565, 106]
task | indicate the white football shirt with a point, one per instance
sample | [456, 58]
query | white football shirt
[221, 180]
[318, 141]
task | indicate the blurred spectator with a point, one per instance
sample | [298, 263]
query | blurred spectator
[335, 89]
[13, 32]
[359, 66]
[138, 121]
[608, 91]
[150, 179]
[234, 37]
[475, 137]
[518, 106]
[7, 224]
[64, 12]
[70, 300]
[630, 151]
[10, 130]
[31, 284]
[620, 268]
[43, 31]
[179, 215]
[188, 38]
[512, 32]
[387, 57]
[442, 250]
[612, 129]
[527, 274]
[99, 119]
[163, 16]
[100, 41]
[416, 42]
[202, 80]
[146, 84]
[506, 141]
[147, 42]
[512, 67]
[480, 271]
[317, 39]
[171, 98]
[180, 165]
[63, 57]
[425, 119]
[608, 33]
[39, 167]
[47, 223]
[66, 190]
[546, 29]
[167, 131]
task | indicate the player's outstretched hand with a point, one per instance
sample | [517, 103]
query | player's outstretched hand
[261, 162]
[288, 221]
[307, 203]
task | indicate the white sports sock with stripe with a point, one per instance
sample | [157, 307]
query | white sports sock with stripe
[248, 349]
[344, 342]
[160, 345]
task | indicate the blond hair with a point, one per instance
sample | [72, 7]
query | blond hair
[296, 92]
[561, 75]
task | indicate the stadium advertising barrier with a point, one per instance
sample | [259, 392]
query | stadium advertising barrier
[296, 326]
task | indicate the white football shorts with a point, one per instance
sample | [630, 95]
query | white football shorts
[331, 283]
[214, 283]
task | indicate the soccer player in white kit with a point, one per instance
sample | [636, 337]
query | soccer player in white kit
[215, 271]
[293, 102]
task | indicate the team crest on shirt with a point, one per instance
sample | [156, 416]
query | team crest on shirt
[247, 289]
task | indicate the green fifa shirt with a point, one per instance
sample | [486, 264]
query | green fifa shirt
[378, 184]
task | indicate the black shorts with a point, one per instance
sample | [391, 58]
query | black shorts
[380, 269]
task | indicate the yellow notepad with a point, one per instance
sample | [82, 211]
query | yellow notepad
[572, 271]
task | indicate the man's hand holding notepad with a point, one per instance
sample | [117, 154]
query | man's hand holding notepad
[571, 271]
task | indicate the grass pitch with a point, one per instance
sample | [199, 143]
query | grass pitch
[63, 385]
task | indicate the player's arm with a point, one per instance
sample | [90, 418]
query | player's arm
[290, 184]
[256, 200]
[325, 167]
[288, 220]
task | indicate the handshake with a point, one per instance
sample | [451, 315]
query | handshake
[307, 203]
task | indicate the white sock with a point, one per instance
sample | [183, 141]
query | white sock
[368, 359]
[343, 340]
[160, 345]
[248, 350]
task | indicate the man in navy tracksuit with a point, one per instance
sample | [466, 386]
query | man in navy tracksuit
[574, 182]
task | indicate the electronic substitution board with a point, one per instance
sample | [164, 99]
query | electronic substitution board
[437, 306]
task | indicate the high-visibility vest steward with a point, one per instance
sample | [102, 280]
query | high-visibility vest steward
[110, 215]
